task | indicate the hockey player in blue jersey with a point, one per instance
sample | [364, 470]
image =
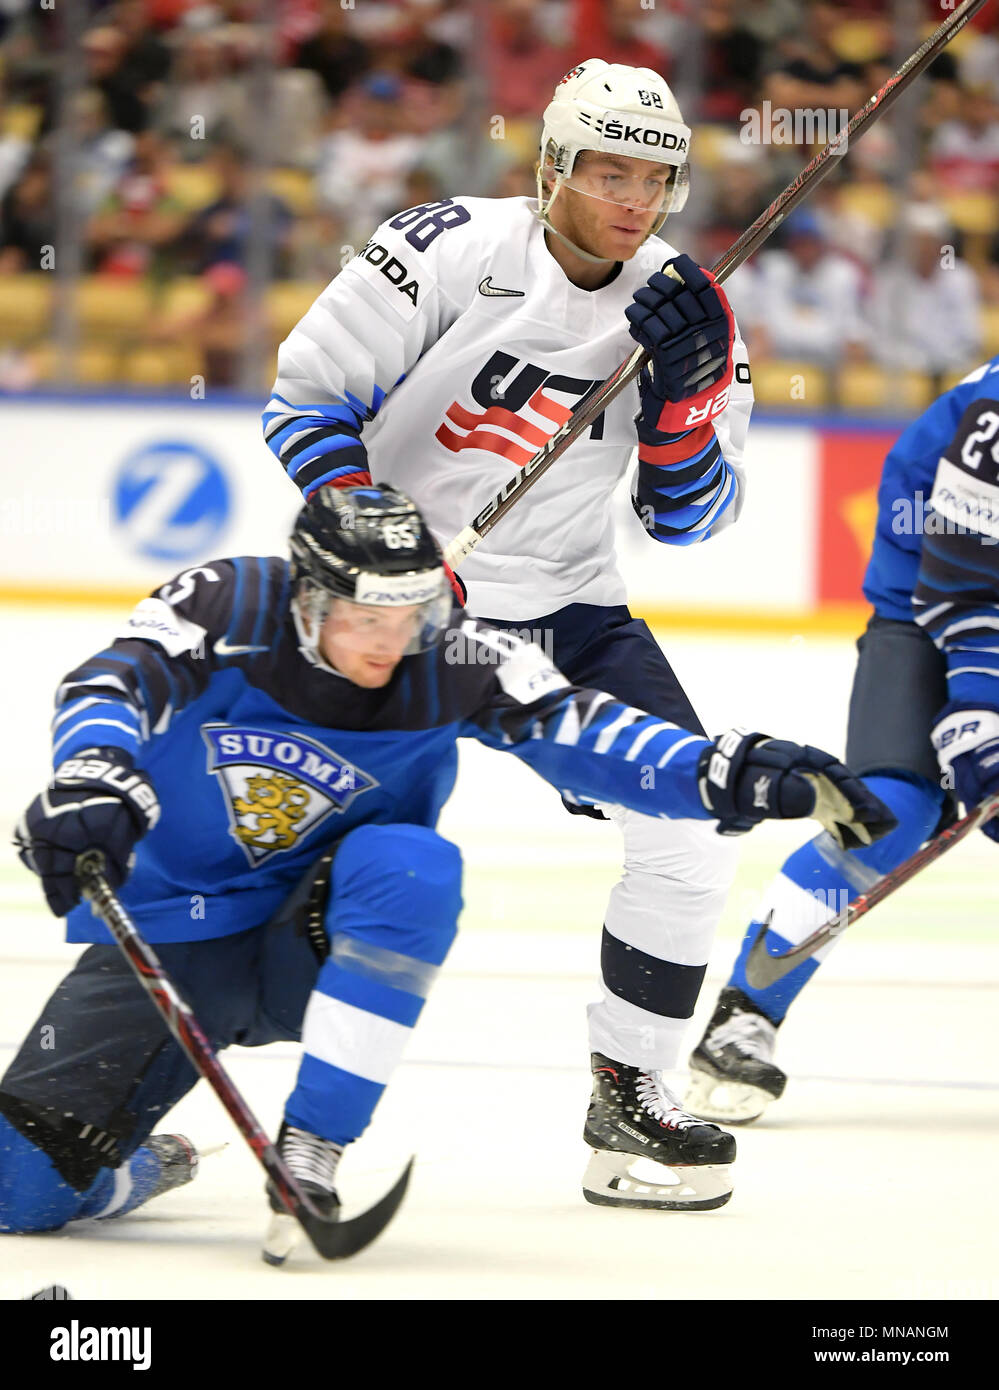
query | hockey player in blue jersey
[274, 743]
[923, 723]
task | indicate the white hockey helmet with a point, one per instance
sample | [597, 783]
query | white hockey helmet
[616, 110]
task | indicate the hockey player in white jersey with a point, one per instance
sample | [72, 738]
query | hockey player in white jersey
[445, 354]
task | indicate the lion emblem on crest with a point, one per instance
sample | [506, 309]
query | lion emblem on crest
[277, 803]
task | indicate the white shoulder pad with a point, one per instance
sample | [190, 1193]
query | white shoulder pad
[156, 621]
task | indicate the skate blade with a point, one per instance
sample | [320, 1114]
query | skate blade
[283, 1235]
[732, 1102]
[630, 1180]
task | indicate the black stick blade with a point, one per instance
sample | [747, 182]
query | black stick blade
[335, 1240]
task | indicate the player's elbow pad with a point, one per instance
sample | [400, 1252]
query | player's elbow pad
[682, 512]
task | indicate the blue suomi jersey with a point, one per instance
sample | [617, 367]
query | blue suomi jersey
[936, 550]
[262, 760]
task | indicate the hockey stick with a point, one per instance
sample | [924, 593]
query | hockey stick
[332, 1239]
[591, 406]
[763, 969]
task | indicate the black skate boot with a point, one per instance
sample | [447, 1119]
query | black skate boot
[313, 1163]
[174, 1163]
[634, 1117]
[178, 1161]
[732, 1075]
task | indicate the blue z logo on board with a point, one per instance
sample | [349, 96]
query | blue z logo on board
[171, 501]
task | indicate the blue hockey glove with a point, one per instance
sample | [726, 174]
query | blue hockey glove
[745, 778]
[967, 744]
[686, 327]
[97, 800]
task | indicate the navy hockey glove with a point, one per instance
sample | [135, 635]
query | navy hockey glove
[745, 778]
[686, 327]
[967, 744]
[97, 800]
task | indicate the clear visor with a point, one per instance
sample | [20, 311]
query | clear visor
[648, 192]
[382, 632]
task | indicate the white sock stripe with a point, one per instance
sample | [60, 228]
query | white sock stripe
[796, 911]
[352, 1039]
[121, 1193]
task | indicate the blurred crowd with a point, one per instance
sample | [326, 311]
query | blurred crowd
[215, 163]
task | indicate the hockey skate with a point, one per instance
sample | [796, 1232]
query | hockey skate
[647, 1151]
[176, 1163]
[313, 1164]
[732, 1074]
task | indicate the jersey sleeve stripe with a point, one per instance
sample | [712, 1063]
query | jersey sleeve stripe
[73, 736]
[319, 472]
[323, 449]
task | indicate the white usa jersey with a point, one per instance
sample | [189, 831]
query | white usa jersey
[453, 346]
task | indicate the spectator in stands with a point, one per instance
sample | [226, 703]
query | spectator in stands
[27, 219]
[363, 167]
[519, 61]
[737, 192]
[104, 52]
[15, 143]
[220, 232]
[146, 58]
[614, 29]
[431, 71]
[132, 233]
[220, 328]
[731, 62]
[102, 154]
[203, 104]
[964, 153]
[339, 57]
[517, 180]
[926, 307]
[811, 73]
[806, 305]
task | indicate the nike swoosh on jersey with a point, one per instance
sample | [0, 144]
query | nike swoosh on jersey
[223, 648]
[486, 287]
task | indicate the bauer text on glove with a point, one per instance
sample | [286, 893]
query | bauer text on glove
[96, 800]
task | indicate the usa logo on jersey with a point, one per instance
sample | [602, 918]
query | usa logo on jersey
[511, 391]
[278, 787]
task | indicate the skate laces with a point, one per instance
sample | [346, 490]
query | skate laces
[658, 1100]
[310, 1158]
[750, 1034]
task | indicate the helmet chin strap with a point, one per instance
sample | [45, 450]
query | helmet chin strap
[541, 213]
[307, 644]
[543, 209]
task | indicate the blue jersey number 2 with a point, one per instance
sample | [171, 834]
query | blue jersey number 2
[430, 220]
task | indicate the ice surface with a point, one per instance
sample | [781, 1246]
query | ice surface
[873, 1177]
